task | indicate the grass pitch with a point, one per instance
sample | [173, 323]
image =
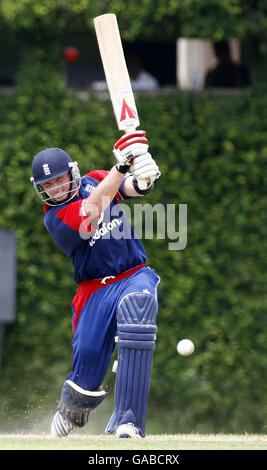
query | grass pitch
[150, 442]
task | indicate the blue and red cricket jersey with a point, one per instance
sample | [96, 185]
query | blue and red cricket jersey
[112, 248]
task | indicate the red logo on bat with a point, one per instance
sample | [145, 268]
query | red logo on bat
[126, 109]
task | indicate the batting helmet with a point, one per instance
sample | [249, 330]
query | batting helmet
[51, 163]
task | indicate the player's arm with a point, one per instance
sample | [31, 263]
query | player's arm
[104, 193]
[131, 153]
[125, 149]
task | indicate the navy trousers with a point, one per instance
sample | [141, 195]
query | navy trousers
[94, 321]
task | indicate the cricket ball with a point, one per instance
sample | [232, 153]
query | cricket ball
[71, 54]
[185, 347]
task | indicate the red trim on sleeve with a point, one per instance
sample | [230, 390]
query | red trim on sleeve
[98, 175]
[73, 216]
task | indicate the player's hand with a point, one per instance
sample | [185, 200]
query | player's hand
[129, 146]
[145, 168]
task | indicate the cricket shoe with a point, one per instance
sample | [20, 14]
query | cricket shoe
[127, 431]
[61, 426]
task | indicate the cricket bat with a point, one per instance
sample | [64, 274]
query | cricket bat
[117, 76]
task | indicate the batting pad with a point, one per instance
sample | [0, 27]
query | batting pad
[137, 333]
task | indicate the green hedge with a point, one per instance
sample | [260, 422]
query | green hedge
[194, 18]
[212, 150]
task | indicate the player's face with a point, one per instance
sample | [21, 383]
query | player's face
[57, 188]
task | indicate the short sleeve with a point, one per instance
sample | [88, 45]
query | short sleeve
[68, 226]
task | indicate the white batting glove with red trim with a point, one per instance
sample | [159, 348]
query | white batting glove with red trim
[130, 146]
[145, 168]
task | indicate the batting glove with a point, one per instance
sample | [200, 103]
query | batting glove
[145, 168]
[130, 146]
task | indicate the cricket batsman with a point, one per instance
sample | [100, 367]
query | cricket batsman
[116, 298]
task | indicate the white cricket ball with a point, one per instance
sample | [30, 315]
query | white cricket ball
[185, 347]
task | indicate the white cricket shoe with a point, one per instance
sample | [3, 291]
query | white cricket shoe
[127, 430]
[60, 426]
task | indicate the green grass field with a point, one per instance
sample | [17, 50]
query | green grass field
[151, 442]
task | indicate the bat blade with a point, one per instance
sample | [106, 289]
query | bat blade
[117, 76]
[116, 72]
